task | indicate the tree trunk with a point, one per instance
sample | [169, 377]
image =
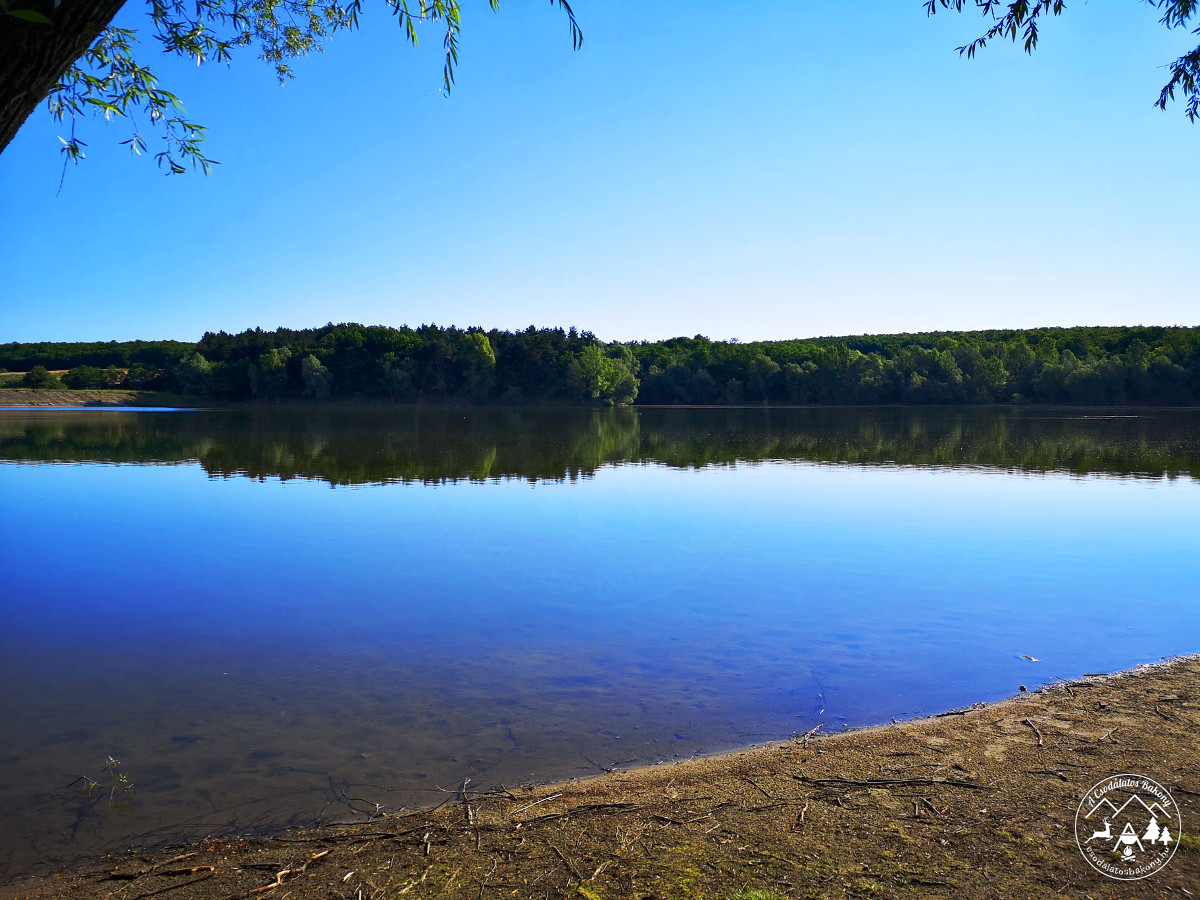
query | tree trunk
[33, 57]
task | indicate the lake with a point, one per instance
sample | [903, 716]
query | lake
[276, 616]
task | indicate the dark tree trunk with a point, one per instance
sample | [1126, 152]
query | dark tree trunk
[34, 57]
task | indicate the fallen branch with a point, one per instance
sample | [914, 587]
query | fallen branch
[890, 782]
[283, 874]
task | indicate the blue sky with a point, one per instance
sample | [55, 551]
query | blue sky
[798, 169]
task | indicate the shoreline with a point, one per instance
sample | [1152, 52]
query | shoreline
[69, 399]
[66, 398]
[976, 802]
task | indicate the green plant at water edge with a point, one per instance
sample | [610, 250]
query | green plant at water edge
[112, 780]
[755, 894]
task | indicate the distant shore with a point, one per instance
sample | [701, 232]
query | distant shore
[68, 398]
[979, 802]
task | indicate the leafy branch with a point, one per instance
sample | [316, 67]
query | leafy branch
[1018, 21]
[108, 80]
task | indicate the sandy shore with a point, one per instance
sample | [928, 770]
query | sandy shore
[65, 398]
[977, 803]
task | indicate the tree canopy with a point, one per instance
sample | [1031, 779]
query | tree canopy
[71, 55]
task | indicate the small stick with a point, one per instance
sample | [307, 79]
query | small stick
[759, 786]
[284, 873]
[172, 887]
[1053, 772]
[483, 884]
[412, 884]
[279, 876]
[1029, 722]
[570, 865]
[535, 803]
[800, 818]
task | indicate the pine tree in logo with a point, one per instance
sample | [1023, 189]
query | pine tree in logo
[1152, 832]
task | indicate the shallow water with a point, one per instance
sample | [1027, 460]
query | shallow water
[275, 616]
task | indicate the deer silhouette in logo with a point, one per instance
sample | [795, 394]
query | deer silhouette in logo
[1106, 833]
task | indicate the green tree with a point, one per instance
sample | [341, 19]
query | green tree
[83, 377]
[593, 375]
[40, 379]
[479, 361]
[763, 370]
[395, 377]
[194, 375]
[268, 377]
[69, 53]
[317, 380]
[1020, 20]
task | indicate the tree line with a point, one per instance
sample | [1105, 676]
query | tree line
[1094, 365]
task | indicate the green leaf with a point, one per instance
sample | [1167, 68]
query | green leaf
[103, 104]
[30, 15]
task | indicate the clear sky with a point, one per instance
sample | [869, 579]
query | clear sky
[786, 169]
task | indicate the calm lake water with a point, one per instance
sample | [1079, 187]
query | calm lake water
[278, 616]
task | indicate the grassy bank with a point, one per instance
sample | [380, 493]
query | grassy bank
[978, 803]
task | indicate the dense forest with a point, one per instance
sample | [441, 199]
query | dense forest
[1108, 366]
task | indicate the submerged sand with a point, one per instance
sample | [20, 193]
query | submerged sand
[975, 803]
